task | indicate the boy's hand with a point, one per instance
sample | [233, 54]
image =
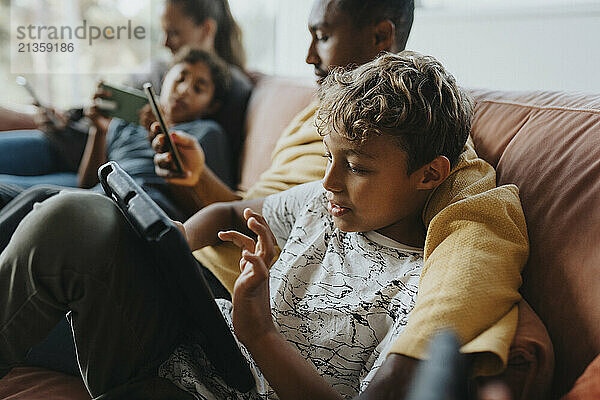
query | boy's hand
[251, 300]
[190, 151]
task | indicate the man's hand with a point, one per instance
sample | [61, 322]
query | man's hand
[394, 377]
[190, 152]
[251, 301]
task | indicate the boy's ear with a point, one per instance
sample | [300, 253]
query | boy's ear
[432, 174]
[384, 35]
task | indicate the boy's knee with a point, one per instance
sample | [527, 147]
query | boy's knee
[74, 221]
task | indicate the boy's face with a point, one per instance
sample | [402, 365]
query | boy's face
[190, 91]
[335, 41]
[368, 188]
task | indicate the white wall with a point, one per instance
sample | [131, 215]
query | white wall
[550, 44]
[552, 48]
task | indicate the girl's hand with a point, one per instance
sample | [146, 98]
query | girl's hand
[94, 113]
[251, 300]
[147, 118]
[99, 121]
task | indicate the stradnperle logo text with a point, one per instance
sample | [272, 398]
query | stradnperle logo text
[80, 37]
[84, 31]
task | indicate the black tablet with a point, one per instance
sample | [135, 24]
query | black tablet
[181, 272]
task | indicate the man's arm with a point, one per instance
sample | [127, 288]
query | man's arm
[397, 374]
[392, 380]
[93, 157]
[202, 228]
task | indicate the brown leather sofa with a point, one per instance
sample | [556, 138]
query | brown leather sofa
[548, 144]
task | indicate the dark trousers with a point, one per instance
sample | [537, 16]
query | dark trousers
[57, 350]
[74, 252]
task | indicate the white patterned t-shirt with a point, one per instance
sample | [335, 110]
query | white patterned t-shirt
[341, 298]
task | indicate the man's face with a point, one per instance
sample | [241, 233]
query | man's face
[369, 188]
[190, 91]
[181, 30]
[336, 41]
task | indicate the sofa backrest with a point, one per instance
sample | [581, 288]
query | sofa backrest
[548, 144]
[274, 102]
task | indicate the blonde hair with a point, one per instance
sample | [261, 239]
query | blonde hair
[408, 96]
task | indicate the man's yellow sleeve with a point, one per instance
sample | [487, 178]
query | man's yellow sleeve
[475, 249]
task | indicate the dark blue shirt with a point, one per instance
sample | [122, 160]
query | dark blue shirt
[128, 145]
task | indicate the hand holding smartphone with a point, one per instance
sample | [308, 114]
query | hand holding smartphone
[163, 126]
[22, 81]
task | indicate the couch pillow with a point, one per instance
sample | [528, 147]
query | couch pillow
[530, 364]
[547, 143]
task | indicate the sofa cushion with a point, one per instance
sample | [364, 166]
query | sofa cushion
[274, 103]
[38, 383]
[587, 386]
[548, 144]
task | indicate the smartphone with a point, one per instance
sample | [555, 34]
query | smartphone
[22, 81]
[163, 126]
[124, 102]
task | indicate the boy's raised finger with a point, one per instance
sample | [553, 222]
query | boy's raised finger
[239, 239]
[266, 239]
[261, 224]
[258, 267]
[248, 213]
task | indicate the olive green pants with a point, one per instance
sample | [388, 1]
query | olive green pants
[75, 252]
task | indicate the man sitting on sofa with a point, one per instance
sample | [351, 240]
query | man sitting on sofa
[484, 316]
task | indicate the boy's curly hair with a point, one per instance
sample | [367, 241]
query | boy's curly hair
[219, 71]
[408, 96]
